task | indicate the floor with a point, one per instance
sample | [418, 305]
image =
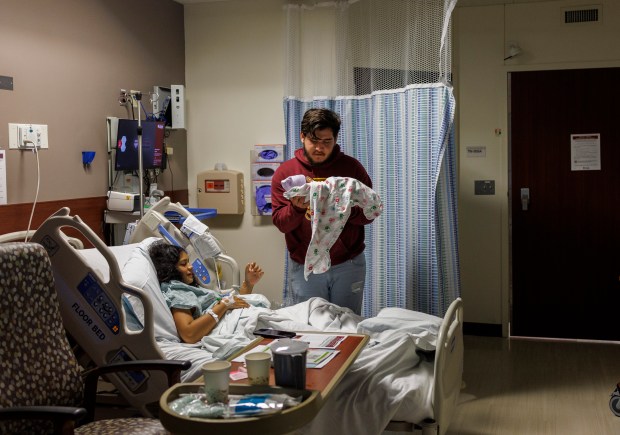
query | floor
[521, 386]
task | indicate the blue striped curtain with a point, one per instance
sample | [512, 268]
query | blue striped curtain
[405, 140]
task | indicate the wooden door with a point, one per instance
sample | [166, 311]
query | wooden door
[566, 246]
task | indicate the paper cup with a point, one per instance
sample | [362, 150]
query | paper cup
[258, 364]
[216, 377]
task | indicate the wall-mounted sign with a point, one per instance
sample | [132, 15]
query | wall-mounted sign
[476, 151]
[585, 152]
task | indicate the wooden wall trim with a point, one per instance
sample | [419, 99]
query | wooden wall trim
[181, 196]
[14, 217]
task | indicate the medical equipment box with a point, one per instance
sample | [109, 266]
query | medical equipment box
[122, 201]
[221, 190]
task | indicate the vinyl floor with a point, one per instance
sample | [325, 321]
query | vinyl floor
[524, 386]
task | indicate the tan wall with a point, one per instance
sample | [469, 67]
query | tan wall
[69, 59]
[234, 72]
[72, 57]
[234, 82]
[481, 37]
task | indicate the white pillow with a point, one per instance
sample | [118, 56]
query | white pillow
[99, 264]
[139, 271]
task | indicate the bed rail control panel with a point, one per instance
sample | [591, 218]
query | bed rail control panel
[99, 301]
[200, 271]
[133, 379]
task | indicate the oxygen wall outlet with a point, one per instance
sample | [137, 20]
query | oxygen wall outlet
[27, 136]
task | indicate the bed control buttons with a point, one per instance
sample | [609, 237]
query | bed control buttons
[90, 288]
[201, 272]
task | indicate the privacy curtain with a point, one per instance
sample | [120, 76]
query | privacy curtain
[384, 66]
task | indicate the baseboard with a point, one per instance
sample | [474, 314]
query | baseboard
[482, 329]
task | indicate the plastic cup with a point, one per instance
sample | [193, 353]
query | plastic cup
[289, 363]
[258, 364]
[216, 376]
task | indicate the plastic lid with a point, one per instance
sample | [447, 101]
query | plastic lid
[287, 346]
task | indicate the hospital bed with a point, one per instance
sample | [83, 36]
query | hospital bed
[111, 316]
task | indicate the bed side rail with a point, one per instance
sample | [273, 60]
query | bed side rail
[155, 223]
[92, 310]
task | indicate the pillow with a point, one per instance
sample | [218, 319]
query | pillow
[139, 271]
[95, 259]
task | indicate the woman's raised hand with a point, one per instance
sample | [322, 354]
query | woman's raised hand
[253, 274]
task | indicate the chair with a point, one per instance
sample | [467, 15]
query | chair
[44, 390]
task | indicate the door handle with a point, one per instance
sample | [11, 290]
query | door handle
[525, 198]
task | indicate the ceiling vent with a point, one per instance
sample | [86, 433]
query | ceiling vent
[583, 14]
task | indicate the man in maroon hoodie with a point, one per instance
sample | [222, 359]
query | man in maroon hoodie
[318, 159]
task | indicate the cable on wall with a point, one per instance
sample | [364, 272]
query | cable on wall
[34, 204]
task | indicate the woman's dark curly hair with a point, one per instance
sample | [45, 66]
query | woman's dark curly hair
[165, 258]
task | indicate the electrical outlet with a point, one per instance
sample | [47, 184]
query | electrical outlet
[27, 136]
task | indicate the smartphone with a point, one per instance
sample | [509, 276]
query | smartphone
[274, 333]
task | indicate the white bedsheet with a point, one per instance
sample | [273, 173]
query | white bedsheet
[388, 381]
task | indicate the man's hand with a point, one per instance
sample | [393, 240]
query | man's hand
[300, 202]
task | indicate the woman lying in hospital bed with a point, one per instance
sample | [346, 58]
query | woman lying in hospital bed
[390, 380]
[195, 310]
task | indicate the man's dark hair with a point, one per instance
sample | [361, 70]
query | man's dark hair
[319, 119]
[165, 258]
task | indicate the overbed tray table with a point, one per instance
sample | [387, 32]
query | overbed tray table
[319, 384]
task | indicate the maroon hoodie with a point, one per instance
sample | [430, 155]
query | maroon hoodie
[292, 220]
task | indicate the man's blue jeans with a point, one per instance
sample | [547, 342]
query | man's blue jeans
[342, 284]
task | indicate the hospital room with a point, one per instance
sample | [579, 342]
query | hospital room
[491, 285]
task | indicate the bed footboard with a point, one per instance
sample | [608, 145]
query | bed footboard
[448, 376]
[448, 366]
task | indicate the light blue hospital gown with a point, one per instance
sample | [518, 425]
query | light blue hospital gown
[187, 297]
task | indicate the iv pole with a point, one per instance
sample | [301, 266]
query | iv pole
[138, 98]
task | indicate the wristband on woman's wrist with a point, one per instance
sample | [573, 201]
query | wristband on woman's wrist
[212, 314]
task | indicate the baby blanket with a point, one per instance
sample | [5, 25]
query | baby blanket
[331, 202]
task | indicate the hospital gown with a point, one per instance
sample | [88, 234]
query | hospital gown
[187, 297]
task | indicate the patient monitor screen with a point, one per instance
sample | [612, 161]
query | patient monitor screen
[127, 145]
